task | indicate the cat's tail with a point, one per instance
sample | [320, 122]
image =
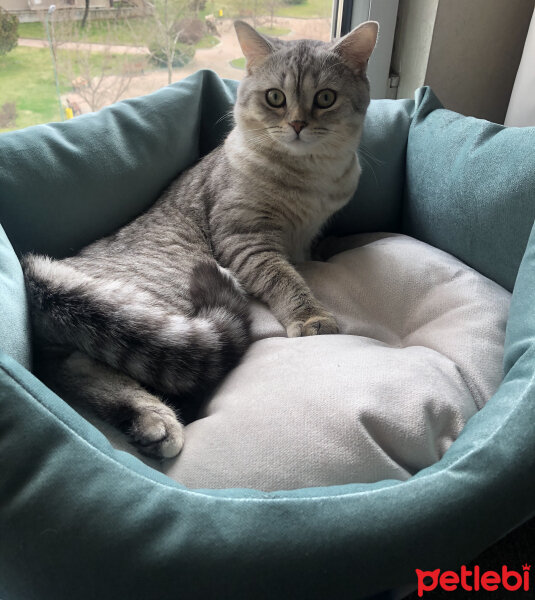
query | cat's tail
[124, 327]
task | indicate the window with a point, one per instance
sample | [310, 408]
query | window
[70, 60]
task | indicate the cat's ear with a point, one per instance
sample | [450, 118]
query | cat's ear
[255, 47]
[356, 47]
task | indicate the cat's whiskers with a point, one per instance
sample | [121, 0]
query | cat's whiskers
[366, 162]
[368, 154]
[261, 135]
[227, 115]
[264, 128]
[364, 155]
[331, 132]
[368, 159]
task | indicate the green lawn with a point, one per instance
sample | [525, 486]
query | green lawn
[238, 63]
[118, 31]
[307, 10]
[232, 9]
[27, 79]
[32, 30]
[208, 41]
[275, 31]
[128, 32]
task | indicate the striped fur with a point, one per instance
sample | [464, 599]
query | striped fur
[159, 307]
[117, 324]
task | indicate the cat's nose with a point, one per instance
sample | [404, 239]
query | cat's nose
[298, 125]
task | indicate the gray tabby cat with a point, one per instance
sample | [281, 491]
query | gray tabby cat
[156, 308]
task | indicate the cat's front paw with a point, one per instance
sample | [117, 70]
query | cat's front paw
[156, 432]
[313, 326]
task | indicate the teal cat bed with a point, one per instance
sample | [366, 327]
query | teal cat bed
[79, 518]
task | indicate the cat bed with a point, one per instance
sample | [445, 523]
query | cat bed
[79, 518]
[382, 400]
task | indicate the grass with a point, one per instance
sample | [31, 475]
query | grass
[129, 32]
[208, 41]
[274, 31]
[132, 32]
[232, 9]
[308, 10]
[32, 30]
[27, 79]
[238, 63]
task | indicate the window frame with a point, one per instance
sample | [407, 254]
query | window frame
[347, 14]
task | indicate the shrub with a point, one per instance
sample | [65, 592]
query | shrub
[197, 5]
[9, 25]
[191, 31]
[183, 54]
[8, 115]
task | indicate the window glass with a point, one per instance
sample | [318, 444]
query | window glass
[61, 60]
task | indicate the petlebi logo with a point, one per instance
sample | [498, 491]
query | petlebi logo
[474, 581]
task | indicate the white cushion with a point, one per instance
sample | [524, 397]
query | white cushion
[420, 351]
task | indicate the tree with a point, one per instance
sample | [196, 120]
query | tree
[249, 9]
[9, 34]
[271, 6]
[86, 12]
[168, 25]
[98, 77]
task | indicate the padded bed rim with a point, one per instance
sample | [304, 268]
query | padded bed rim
[360, 538]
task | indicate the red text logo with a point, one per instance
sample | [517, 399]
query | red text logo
[473, 581]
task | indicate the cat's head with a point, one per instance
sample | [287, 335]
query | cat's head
[304, 96]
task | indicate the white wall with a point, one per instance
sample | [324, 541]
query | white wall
[521, 111]
[468, 51]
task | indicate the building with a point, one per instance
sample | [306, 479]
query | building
[35, 10]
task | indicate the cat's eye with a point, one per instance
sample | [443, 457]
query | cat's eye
[325, 98]
[275, 98]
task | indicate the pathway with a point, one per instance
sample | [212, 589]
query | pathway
[115, 49]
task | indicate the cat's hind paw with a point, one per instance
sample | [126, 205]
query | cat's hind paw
[156, 432]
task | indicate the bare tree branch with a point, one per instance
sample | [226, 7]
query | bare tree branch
[98, 77]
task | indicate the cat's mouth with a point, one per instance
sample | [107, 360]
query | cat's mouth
[298, 138]
[299, 142]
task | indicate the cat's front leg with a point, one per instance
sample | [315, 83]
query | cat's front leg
[315, 325]
[268, 275]
[282, 288]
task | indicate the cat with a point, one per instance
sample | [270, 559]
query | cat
[160, 307]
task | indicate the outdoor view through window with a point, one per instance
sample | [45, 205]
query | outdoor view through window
[59, 60]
